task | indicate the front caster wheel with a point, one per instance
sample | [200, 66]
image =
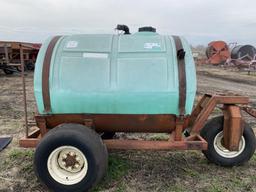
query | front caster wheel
[71, 157]
[217, 153]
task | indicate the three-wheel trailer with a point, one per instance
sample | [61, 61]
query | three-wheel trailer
[71, 148]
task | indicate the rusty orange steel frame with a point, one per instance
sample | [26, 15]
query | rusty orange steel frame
[175, 125]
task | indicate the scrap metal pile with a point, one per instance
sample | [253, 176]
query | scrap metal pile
[242, 57]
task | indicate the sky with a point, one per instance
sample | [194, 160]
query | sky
[199, 21]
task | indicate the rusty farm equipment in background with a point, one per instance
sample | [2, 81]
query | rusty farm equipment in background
[243, 52]
[243, 57]
[217, 52]
[10, 60]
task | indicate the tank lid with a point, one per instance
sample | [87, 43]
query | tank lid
[147, 29]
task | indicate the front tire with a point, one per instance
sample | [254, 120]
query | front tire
[217, 153]
[70, 157]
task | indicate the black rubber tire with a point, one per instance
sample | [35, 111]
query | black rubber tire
[30, 66]
[81, 137]
[212, 128]
[7, 71]
[107, 135]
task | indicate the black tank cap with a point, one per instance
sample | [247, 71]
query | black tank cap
[147, 28]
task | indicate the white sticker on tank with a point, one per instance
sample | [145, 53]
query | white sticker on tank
[71, 44]
[151, 45]
[95, 55]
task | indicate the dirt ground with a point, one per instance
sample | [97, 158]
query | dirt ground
[131, 170]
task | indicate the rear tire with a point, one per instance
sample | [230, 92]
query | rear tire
[70, 157]
[217, 153]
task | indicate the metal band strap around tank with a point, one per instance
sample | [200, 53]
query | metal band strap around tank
[46, 74]
[181, 74]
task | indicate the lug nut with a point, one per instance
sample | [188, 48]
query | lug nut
[69, 168]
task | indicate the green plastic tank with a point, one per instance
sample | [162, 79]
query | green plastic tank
[114, 74]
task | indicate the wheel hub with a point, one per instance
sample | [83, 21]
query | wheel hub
[224, 152]
[67, 165]
[70, 161]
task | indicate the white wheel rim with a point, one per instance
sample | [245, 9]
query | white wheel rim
[224, 152]
[67, 165]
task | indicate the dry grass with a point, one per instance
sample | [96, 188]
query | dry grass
[141, 171]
